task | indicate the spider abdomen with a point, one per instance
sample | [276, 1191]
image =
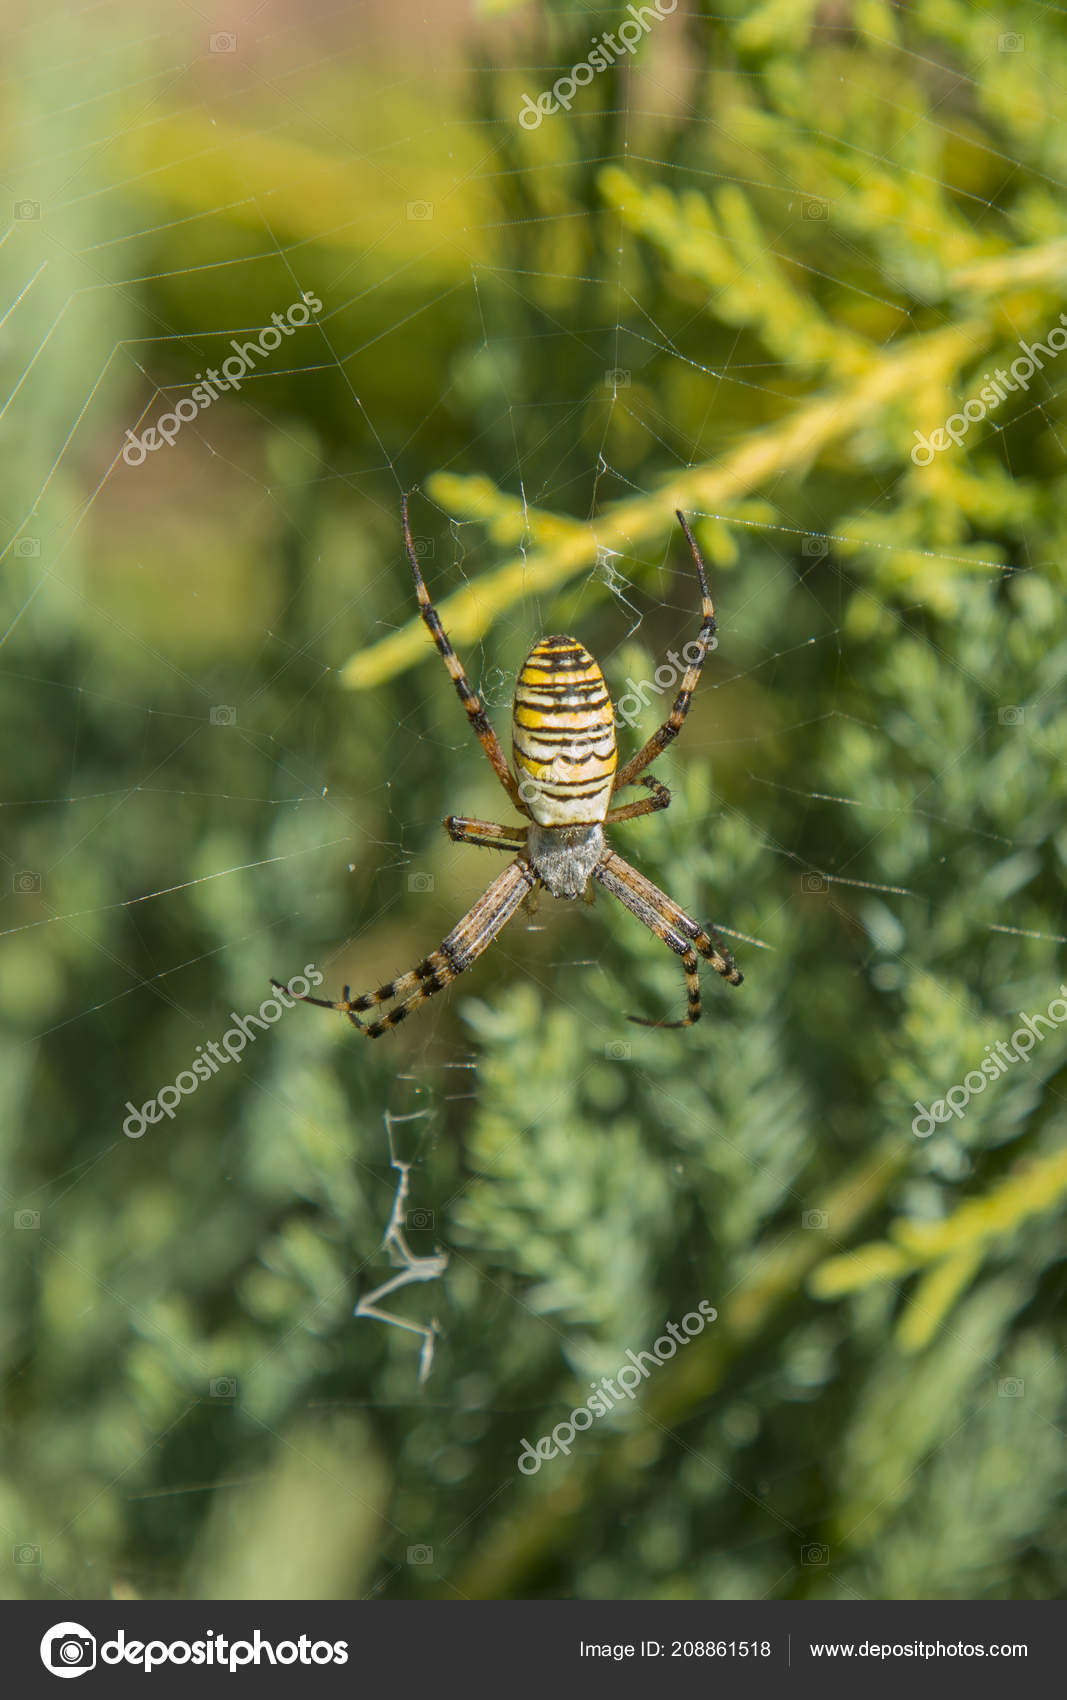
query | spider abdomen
[563, 734]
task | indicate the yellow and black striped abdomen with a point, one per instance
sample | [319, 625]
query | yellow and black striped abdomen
[563, 734]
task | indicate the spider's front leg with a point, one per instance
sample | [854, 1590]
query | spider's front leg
[676, 718]
[468, 696]
[464, 944]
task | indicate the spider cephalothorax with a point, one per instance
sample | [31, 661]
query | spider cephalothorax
[565, 857]
[566, 757]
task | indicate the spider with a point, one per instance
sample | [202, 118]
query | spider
[563, 738]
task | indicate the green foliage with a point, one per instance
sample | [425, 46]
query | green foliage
[812, 246]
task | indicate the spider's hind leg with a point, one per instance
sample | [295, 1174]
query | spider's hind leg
[464, 944]
[692, 987]
[669, 921]
[343, 1004]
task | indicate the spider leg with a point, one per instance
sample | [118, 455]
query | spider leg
[484, 832]
[662, 916]
[343, 1003]
[467, 695]
[660, 799]
[676, 719]
[464, 944]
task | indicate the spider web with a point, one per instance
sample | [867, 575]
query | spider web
[221, 585]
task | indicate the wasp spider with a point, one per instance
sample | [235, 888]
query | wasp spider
[566, 758]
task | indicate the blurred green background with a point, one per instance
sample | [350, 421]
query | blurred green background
[738, 275]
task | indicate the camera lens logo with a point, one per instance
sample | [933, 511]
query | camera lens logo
[68, 1649]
